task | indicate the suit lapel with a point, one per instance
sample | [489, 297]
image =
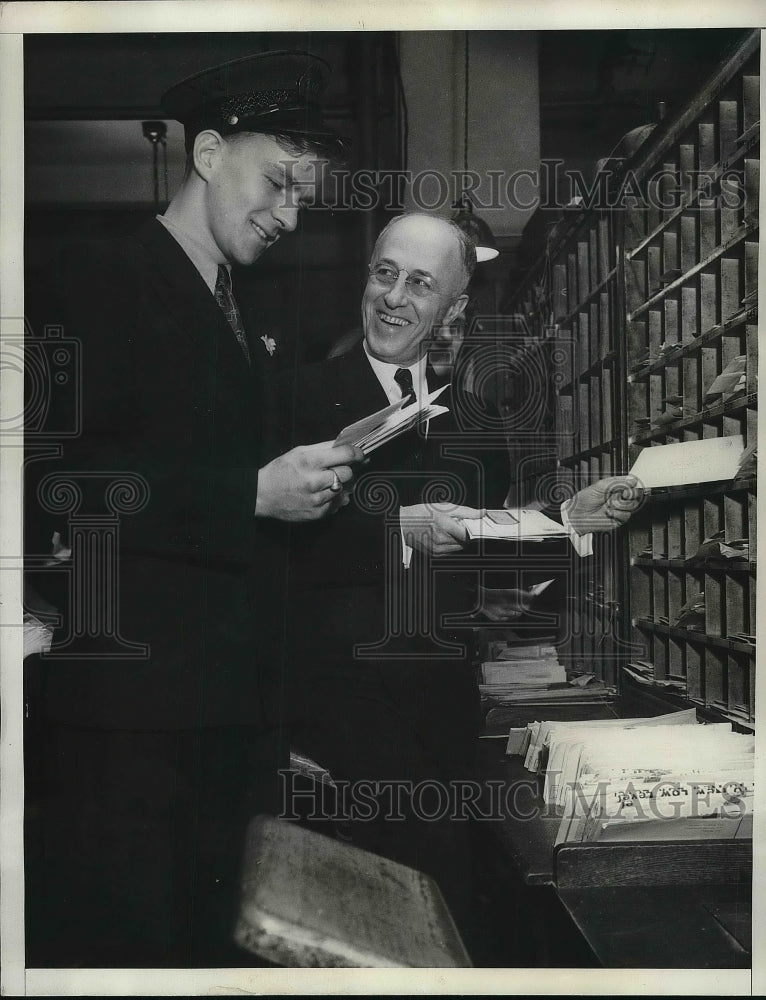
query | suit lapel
[189, 302]
[433, 380]
[358, 391]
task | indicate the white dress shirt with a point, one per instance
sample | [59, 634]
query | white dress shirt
[199, 255]
[583, 544]
[384, 372]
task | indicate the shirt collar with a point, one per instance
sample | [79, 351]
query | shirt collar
[199, 255]
[384, 372]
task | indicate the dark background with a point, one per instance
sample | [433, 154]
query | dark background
[594, 87]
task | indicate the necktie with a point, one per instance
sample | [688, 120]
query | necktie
[224, 296]
[403, 378]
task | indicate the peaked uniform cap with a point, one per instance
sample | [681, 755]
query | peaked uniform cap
[275, 92]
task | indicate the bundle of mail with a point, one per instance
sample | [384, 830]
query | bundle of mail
[661, 778]
[513, 673]
[378, 428]
[515, 524]
[731, 382]
[748, 463]
[520, 670]
[646, 358]
[692, 614]
[716, 551]
[643, 672]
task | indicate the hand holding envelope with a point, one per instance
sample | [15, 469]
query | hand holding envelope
[604, 505]
[508, 603]
[307, 482]
[378, 428]
[438, 528]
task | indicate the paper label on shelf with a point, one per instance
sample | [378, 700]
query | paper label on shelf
[689, 462]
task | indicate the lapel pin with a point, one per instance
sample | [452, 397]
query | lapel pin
[269, 343]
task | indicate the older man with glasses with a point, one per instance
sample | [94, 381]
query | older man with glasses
[382, 691]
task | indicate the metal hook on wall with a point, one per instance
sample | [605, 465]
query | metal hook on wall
[156, 133]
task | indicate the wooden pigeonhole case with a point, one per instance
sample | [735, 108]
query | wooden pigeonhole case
[643, 296]
[691, 314]
[643, 300]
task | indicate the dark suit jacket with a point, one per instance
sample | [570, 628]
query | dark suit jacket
[450, 462]
[166, 396]
[348, 587]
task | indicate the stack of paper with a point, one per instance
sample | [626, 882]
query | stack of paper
[520, 672]
[375, 430]
[643, 672]
[570, 693]
[643, 779]
[504, 649]
[515, 524]
[694, 784]
[544, 735]
[717, 806]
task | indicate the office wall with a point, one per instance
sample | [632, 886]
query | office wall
[503, 125]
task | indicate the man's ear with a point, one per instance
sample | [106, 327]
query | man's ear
[208, 146]
[455, 310]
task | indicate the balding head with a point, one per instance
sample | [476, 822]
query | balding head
[447, 230]
[419, 270]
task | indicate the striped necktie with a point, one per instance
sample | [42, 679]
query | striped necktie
[224, 296]
[403, 378]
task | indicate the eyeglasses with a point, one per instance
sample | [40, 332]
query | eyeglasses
[387, 276]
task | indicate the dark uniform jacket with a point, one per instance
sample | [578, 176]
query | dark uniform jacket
[143, 772]
[167, 402]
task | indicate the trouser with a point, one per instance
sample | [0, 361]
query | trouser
[134, 842]
[402, 736]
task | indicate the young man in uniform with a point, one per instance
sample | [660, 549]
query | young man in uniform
[153, 742]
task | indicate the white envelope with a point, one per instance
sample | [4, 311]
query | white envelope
[689, 462]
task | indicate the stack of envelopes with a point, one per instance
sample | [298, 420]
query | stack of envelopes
[661, 778]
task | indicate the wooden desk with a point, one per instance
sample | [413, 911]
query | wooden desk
[658, 927]
[663, 905]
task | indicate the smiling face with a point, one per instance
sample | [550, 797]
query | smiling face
[253, 193]
[395, 321]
